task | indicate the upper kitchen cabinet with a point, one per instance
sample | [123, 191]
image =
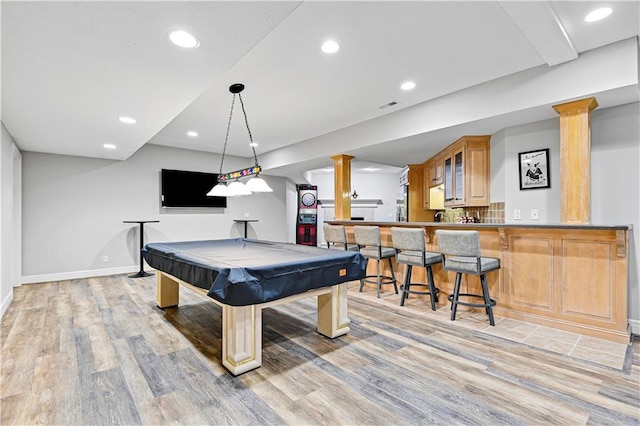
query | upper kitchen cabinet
[430, 174]
[434, 175]
[466, 172]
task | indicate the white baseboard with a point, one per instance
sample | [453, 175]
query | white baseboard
[635, 326]
[31, 279]
[5, 303]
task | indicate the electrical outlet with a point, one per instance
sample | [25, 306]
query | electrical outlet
[246, 214]
[105, 259]
[517, 215]
[534, 214]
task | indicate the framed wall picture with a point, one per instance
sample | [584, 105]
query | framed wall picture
[534, 169]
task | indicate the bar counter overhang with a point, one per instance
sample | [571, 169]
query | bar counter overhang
[572, 277]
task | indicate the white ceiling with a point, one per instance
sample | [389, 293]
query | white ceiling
[70, 69]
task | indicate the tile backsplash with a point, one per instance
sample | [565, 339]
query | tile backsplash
[495, 213]
[492, 214]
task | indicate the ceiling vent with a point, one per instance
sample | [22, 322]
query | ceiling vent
[390, 104]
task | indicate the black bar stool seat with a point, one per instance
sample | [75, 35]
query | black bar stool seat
[411, 250]
[461, 254]
[368, 240]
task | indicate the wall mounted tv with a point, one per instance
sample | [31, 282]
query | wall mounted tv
[182, 188]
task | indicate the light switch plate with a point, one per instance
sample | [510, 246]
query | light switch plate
[517, 215]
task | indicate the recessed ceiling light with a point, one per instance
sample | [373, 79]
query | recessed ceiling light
[184, 39]
[330, 46]
[253, 144]
[598, 14]
[192, 133]
[370, 169]
[127, 120]
[408, 85]
[109, 146]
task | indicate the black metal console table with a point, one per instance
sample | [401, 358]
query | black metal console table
[245, 224]
[141, 272]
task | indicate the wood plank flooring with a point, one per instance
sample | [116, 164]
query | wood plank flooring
[98, 351]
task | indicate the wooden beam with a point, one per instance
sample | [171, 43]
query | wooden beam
[575, 160]
[342, 186]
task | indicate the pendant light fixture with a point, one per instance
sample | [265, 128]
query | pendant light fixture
[236, 187]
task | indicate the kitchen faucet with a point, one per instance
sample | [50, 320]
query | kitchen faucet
[438, 216]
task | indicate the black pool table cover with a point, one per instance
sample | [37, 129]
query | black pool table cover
[241, 271]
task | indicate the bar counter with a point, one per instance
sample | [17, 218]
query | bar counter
[567, 276]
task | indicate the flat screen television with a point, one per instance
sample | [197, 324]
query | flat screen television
[181, 188]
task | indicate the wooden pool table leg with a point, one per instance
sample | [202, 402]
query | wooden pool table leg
[241, 338]
[167, 293]
[333, 319]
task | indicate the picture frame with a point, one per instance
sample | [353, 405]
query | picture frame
[534, 169]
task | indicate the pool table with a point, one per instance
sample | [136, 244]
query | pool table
[244, 276]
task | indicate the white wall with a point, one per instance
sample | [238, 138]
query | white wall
[74, 208]
[615, 183]
[529, 137]
[369, 186]
[498, 159]
[615, 178]
[292, 211]
[10, 218]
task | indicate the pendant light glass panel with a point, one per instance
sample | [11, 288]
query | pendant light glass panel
[257, 184]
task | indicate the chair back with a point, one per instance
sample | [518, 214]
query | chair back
[458, 243]
[367, 235]
[336, 237]
[335, 234]
[411, 239]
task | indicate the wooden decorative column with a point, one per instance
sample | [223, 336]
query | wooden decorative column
[342, 185]
[575, 160]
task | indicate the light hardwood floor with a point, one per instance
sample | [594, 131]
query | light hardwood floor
[98, 351]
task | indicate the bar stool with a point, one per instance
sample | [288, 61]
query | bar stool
[336, 238]
[461, 254]
[411, 250]
[368, 240]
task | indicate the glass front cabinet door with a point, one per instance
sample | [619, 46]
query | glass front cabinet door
[466, 172]
[458, 179]
[454, 178]
[448, 180]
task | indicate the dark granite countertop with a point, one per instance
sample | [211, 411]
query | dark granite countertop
[484, 225]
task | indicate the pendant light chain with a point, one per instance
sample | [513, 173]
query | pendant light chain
[226, 138]
[246, 121]
[235, 187]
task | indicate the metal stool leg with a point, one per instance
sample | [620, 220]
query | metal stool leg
[379, 283]
[487, 298]
[378, 278]
[406, 285]
[456, 292]
[432, 287]
[393, 275]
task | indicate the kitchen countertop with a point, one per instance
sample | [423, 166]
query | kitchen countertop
[484, 225]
